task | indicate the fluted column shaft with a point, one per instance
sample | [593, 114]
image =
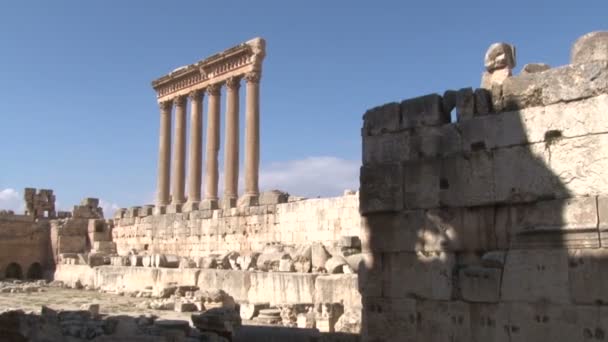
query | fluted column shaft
[164, 154]
[213, 142]
[231, 147]
[252, 134]
[179, 152]
[196, 145]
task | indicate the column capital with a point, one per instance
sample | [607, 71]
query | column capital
[196, 95]
[180, 101]
[165, 105]
[233, 83]
[253, 77]
[214, 89]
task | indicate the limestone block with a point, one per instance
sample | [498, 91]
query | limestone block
[443, 321]
[483, 101]
[588, 275]
[166, 260]
[489, 322]
[234, 283]
[532, 68]
[522, 174]
[250, 310]
[590, 47]
[338, 288]
[465, 104]
[421, 184]
[319, 256]
[271, 261]
[381, 119]
[533, 322]
[580, 164]
[536, 275]
[450, 139]
[334, 264]
[391, 319]
[467, 180]
[273, 197]
[286, 265]
[563, 84]
[135, 260]
[423, 111]
[493, 259]
[562, 223]
[480, 284]
[282, 288]
[381, 188]
[423, 275]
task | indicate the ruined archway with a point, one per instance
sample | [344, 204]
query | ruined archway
[13, 271]
[34, 271]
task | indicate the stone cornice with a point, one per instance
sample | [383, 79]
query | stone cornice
[236, 61]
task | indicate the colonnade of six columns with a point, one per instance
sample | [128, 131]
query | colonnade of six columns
[172, 173]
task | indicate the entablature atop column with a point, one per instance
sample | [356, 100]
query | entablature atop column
[236, 61]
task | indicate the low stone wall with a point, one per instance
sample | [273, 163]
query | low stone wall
[491, 228]
[275, 288]
[199, 233]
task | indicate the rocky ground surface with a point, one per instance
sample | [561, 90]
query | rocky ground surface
[41, 311]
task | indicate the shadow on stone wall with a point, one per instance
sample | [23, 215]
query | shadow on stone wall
[488, 229]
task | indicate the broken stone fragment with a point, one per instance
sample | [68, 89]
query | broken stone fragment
[334, 265]
[590, 47]
[250, 310]
[319, 257]
[532, 68]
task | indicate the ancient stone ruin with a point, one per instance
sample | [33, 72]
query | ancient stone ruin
[480, 217]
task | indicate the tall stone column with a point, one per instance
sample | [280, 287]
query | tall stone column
[213, 146]
[164, 156]
[252, 138]
[195, 155]
[231, 146]
[179, 155]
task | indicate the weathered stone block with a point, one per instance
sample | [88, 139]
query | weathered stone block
[563, 84]
[273, 197]
[588, 275]
[523, 174]
[421, 184]
[282, 288]
[443, 321]
[381, 188]
[565, 223]
[381, 119]
[398, 232]
[480, 284]
[467, 180]
[450, 140]
[483, 101]
[536, 275]
[423, 275]
[590, 47]
[423, 111]
[580, 164]
[234, 283]
[338, 288]
[391, 319]
[489, 322]
[465, 104]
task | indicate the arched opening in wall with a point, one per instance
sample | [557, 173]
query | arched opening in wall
[35, 271]
[13, 271]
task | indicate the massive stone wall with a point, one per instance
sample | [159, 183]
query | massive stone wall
[491, 228]
[24, 246]
[199, 233]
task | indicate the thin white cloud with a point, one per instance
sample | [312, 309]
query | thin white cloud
[108, 208]
[10, 199]
[311, 177]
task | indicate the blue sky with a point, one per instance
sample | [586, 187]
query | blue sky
[78, 114]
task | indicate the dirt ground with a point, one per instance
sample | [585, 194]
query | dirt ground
[70, 299]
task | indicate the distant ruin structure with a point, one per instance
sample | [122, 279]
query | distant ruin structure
[39, 204]
[191, 83]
